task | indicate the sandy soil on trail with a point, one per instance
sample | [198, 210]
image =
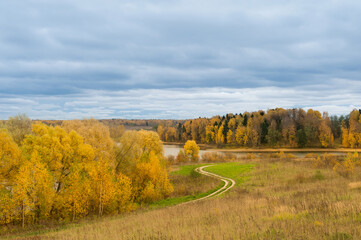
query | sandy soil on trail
[228, 184]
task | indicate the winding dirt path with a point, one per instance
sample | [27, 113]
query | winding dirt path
[228, 184]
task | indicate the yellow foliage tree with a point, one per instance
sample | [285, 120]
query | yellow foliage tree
[220, 136]
[33, 190]
[134, 144]
[117, 132]
[325, 135]
[95, 134]
[103, 185]
[241, 135]
[210, 134]
[149, 141]
[123, 193]
[58, 176]
[289, 135]
[10, 157]
[42, 187]
[252, 135]
[18, 127]
[7, 206]
[231, 137]
[345, 137]
[191, 150]
[140, 157]
[22, 192]
[74, 201]
[58, 150]
[150, 178]
[352, 140]
[171, 134]
[160, 131]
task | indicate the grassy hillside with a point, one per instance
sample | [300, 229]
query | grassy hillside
[282, 199]
[278, 199]
[188, 185]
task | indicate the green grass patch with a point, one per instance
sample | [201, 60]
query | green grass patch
[232, 170]
[186, 170]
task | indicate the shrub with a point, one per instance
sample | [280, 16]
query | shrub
[326, 160]
[280, 154]
[213, 157]
[318, 175]
[251, 156]
[342, 170]
[274, 155]
[191, 150]
[170, 160]
[353, 157]
[181, 157]
[311, 155]
[229, 157]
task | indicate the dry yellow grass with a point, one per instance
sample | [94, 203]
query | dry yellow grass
[354, 185]
[283, 199]
[192, 185]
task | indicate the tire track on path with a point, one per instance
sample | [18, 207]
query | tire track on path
[228, 184]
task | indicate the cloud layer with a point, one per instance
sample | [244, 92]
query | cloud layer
[179, 103]
[176, 59]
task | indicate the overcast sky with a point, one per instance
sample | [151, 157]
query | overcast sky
[65, 59]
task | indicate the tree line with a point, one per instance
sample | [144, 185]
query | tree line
[278, 127]
[76, 169]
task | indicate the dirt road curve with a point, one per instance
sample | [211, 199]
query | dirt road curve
[228, 184]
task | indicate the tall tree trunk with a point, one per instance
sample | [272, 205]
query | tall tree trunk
[101, 197]
[23, 214]
[73, 212]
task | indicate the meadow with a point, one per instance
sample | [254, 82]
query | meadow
[273, 199]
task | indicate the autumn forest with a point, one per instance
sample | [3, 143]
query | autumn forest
[76, 169]
[66, 170]
[295, 128]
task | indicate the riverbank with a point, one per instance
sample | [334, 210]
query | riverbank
[210, 147]
[288, 150]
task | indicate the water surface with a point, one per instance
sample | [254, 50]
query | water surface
[174, 149]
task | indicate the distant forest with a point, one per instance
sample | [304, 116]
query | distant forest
[294, 128]
[274, 128]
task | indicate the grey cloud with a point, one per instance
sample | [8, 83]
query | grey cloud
[183, 102]
[66, 48]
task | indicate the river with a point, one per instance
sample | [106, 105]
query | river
[174, 149]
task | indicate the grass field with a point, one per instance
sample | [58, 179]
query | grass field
[280, 199]
[233, 170]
